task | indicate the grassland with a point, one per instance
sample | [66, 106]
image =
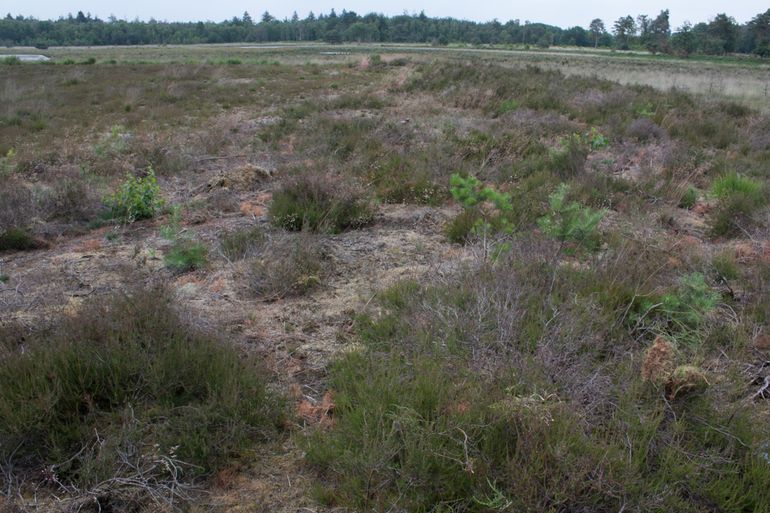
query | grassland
[384, 279]
[741, 79]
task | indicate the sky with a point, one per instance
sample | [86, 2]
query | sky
[563, 13]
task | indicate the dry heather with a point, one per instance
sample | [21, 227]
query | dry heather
[443, 285]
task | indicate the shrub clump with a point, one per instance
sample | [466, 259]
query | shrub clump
[16, 211]
[447, 401]
[239, 244]
[689, 198]
[126, 402]
[680, 313]
[319, 203]
[570, 221]
[739, 198]
[138, 197]
[485, 209]
[186, 253]
[18, 239]
[288, 266]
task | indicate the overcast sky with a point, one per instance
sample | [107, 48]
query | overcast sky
[562, 13]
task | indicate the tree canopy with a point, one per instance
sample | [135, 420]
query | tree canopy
[720, 35]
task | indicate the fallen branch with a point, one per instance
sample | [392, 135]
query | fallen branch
[761, 392]
[225, 157]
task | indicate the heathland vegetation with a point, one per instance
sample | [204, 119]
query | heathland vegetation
[397, 282]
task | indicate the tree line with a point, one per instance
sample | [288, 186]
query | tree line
[720, 35]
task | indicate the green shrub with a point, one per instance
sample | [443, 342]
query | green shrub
[126, 391]
[11, 60]
[137, 198]
[463, 226]
[681, 313]
[734, 183]
[319, 203]
[726, 265]
[397, 181]
[18, 239]
[472, 194]
[569, 159]
[738, 199]
[570, 221]
[186, 255]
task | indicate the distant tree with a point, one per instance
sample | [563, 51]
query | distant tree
[725, 29]
[684, 40]
[577, 36]
[295, 17]
[333, 37]
[643, 28]
[659, 33]
[596, 28]
[624, 28]
[718, 35]
[759, 34]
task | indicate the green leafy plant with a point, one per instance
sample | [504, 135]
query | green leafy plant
[138, 197]
[570, 221]
[595, 139]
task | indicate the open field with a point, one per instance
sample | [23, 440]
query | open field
[739, 79]
[383, 278]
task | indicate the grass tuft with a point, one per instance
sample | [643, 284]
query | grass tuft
[319, 203]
